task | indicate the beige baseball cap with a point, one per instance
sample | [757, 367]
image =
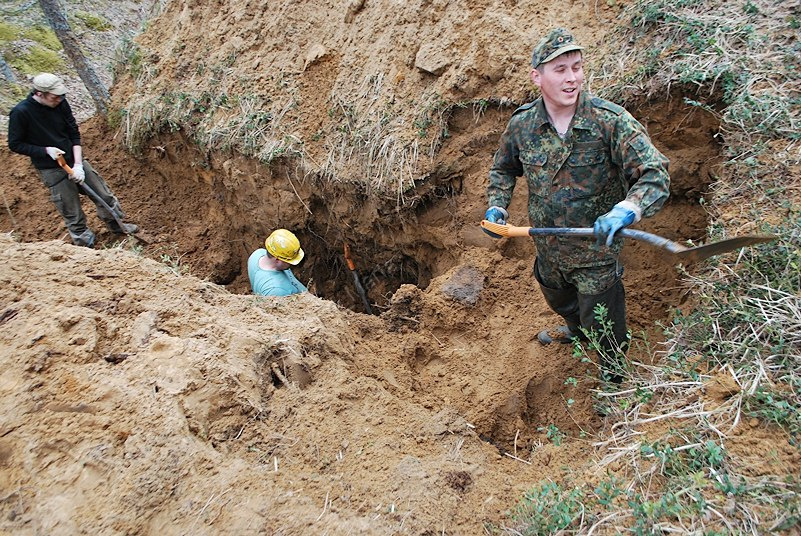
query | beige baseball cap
[49, 83]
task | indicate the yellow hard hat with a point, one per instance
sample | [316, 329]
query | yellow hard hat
[284, 246]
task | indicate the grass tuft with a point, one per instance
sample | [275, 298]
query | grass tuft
[92, 21]
[44, 36]
[37, 59]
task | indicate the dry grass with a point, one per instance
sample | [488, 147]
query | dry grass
[373, 142]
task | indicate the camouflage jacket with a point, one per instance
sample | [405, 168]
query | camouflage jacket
[606, 157]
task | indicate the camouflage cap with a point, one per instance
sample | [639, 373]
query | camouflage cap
[556, 43]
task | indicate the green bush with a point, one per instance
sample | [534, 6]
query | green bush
[38, 59]
[93, 22]
[8, 32]
[548, 509]
[44, 36]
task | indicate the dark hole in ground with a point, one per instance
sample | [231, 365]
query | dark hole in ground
[380, 272]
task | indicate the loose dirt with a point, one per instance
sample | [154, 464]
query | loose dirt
[145, 391]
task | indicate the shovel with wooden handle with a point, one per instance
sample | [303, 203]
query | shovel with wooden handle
[91, 193]
[356, 281]
[675, 250]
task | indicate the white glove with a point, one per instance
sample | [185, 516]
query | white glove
[54, 152]
[78, 174]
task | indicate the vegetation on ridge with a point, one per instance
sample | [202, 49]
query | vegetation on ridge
[670, 458]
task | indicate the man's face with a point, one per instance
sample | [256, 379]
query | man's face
[560, 80]
[49, 99]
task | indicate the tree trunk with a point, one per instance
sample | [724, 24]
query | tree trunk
[5, 70]
[58, 21]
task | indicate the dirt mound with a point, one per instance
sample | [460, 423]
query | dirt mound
[143, 401]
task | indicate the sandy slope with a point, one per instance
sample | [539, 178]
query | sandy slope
[138, 401]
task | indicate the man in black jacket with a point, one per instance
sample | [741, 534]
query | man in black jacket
[42, 127]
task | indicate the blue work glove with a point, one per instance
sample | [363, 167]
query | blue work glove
[495, 215]
[623, 214]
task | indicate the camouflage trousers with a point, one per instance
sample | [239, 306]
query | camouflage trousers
[64, 194]
[573, 294]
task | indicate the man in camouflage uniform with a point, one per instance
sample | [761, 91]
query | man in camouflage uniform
[588, 163]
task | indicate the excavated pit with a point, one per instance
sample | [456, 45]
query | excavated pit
[209, 212]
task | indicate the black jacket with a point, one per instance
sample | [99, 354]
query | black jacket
[33, 126]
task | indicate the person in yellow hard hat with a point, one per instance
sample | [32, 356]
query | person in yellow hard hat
[268, 267]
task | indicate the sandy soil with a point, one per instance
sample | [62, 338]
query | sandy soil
[145, 397]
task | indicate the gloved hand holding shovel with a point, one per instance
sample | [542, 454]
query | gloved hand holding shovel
[495, 215]
[622, 215]
[78, 174]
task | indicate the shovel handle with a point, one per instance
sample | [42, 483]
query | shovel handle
[351, 265]
[686, 254]
[63, 164]
[512, 230]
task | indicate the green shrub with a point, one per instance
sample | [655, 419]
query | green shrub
[93, 22]
[548, 508]
[44, 36]
[10, 95]
[8, 32]
[38, 59]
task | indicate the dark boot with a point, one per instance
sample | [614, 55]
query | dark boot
[561, 334]
[562, 301]
[85, 239]
[614, 347]
[127, 228]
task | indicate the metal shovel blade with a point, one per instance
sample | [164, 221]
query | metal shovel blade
[91, 193]
[685, 254]
[699, 253]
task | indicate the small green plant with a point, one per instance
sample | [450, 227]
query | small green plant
[128, 56]
[174, 264]
[422, 124]
[553, 433]
[779, 407]
[8, 32]
[611, 352]
[549, 509]
[751, 8]
[114, 117]
[38, 59]
[93, 22]
[44, 36]
[11, 94]
[608, 490]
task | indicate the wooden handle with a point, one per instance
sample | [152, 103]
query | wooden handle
[63, 164]
[348, 260]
